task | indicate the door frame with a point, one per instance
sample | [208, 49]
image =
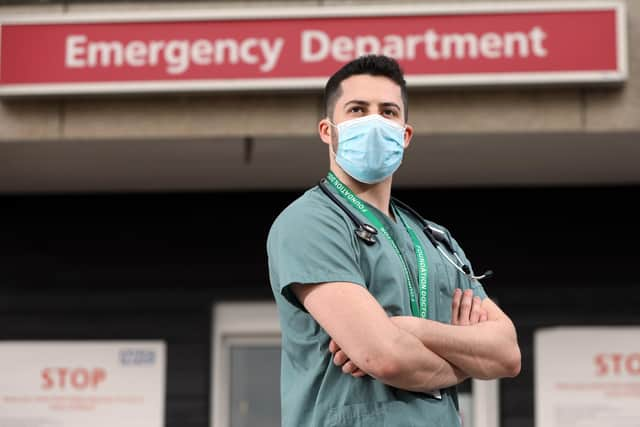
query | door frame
[236, 323]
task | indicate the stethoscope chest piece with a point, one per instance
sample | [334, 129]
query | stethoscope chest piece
[366, 233]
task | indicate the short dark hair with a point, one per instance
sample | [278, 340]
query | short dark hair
[373, 65]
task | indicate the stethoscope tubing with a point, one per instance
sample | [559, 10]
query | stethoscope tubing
[366, 232]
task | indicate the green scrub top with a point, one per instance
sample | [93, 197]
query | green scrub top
[313, 241]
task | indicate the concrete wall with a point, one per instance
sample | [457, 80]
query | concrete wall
[518, 110]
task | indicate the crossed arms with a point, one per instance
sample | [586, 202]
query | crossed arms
[408, 352]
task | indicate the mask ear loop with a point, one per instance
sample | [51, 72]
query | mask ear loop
[331, 145]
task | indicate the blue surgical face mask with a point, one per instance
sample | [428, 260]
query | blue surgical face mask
[370, 148]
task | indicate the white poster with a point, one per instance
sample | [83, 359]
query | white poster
[82, 383]
[587, 377]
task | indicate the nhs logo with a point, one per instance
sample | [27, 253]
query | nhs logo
[134, 356]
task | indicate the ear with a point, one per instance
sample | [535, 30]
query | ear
[324, 131]
[408, 134]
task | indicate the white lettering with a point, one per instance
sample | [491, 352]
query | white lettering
[176, 55]
[511, 39]
[465, 45]
[154, 51]
[393, 46]
[491, 45]
[271, 54]
[320, 38]
[431, 39]
[318, 46]
[263, 53]
[367, 45]
[342, 49]
[412, 42]
[201, 51]
[537, 36]
[135, 54]
[108, 53]
[75, 48]
[229, 45]
[245, 51]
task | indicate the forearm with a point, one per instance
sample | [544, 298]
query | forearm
[485, 350]
[415, 367]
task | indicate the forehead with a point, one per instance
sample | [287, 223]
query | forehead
[374, 89]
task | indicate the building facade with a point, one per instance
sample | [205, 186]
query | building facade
[131, 215]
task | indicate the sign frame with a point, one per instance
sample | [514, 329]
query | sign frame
[55, 403]
[595, 389]
[297, 84]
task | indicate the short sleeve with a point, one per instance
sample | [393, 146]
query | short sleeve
[311, 244]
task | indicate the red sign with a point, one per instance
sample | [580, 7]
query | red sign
[300, 48]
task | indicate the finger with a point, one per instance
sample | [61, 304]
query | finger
[349, 367]
[333, 347]
[340, 358]
[358, 373]
[474, 317]
[465, 306]
[483, 316]
[455, 306]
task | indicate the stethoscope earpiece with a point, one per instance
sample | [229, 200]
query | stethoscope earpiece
[484, 275]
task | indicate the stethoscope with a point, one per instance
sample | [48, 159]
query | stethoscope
[438, 238]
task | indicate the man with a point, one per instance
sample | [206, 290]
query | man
[375, 334]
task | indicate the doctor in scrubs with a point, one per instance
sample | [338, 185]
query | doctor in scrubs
[375, 334]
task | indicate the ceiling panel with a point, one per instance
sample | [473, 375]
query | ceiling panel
[297, 163]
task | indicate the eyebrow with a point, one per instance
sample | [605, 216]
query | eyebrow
[367, 103]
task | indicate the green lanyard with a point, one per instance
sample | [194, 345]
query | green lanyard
[418, 310]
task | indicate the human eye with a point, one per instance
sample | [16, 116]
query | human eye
[355, 109]
[390, 112]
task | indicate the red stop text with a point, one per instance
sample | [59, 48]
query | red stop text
[72, 378]
[617, 364]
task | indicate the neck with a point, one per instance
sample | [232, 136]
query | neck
[377, 195]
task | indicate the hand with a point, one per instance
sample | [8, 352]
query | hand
[466, 309]
[340, 358]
